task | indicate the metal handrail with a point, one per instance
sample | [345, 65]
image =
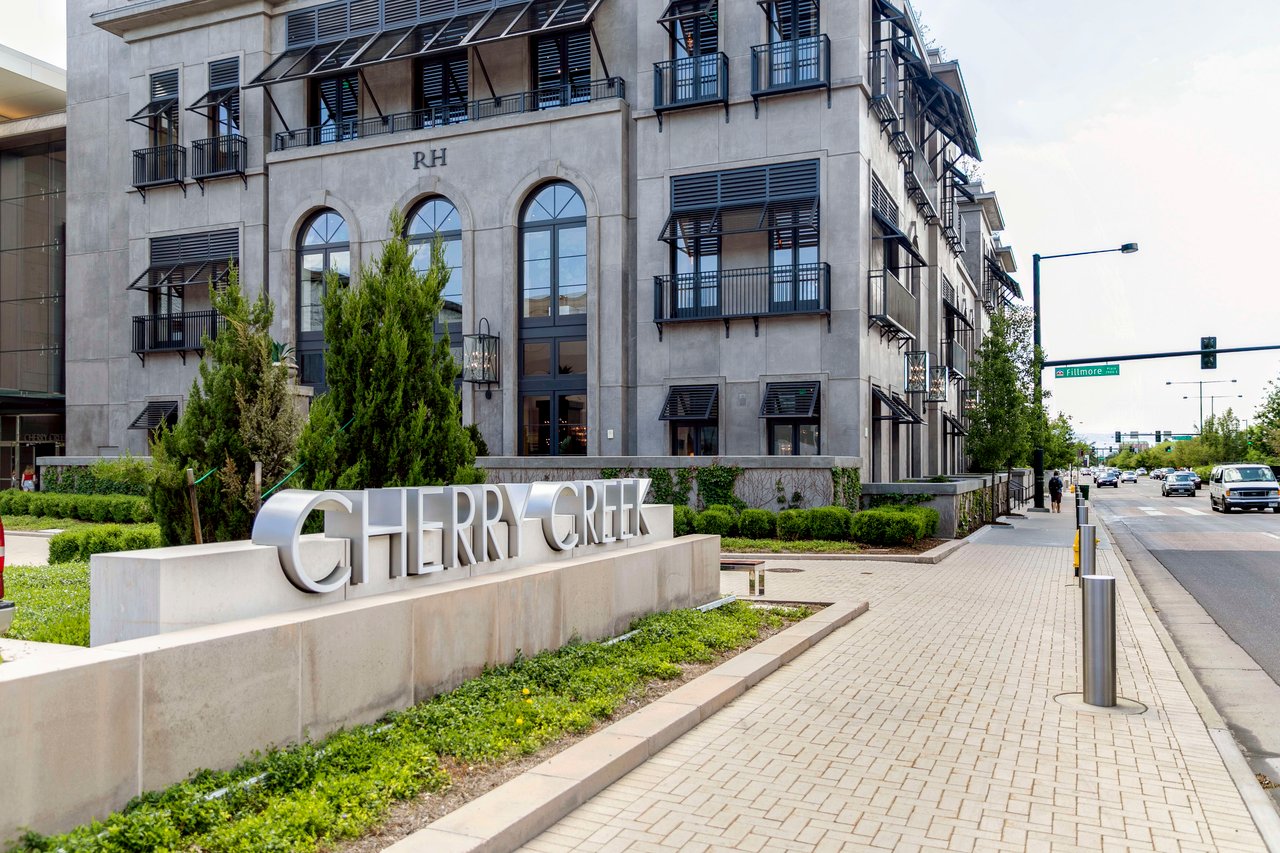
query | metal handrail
[742, 293]
[883, 73]
[218, 156]
[162, 164]
[184, 332]
[786, 66]
[691, 81]
[890, 303]
[453, 112]
[957, 358]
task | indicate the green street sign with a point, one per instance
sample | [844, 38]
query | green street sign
[1183, 437]
[1086, 370]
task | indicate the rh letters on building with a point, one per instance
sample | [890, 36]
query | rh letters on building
[429, 159]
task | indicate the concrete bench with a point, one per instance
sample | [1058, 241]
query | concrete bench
[754, 570]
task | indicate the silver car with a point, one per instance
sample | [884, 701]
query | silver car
[1179, 483]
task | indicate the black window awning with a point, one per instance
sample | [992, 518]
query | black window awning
[739, 201]
[180, 260]
[432, 34]
[691, 403]
[957, 427]
[211, 101]
[1006, 280]
[683, 10]
[153, 109]
[155, 414]
[896, 234]
[721, 221]
[212, 273]
[790, 400]
[894, 15]
[899, 411]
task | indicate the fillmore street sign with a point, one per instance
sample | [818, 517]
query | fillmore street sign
[1086, 370]
[468, 519]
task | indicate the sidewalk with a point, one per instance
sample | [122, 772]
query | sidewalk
[930, 723]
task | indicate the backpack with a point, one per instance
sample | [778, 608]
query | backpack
[1055, 485]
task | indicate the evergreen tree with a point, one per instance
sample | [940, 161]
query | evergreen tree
[1000, 427]
[391, 415]
[240, 411]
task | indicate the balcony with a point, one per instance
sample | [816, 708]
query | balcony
[883, 74]
[791, 66]
[693, 81]
[218, 157]
[163, 164]
[180, 333]
[892, 306]
[741, 294]
[443, 115]
[957, 359]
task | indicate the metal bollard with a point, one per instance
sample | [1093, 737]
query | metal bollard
[1082, 514]
[760, 582]
[1088, 549]
[751, 581]
[1099, 616]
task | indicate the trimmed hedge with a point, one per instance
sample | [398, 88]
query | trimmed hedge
[123, 509]
[794, 524]
[894, 525]
[757, 524]
[831, 523]
[683, 518]
[716, 522]
[83, 544]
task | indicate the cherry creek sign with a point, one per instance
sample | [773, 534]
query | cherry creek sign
[467, 518]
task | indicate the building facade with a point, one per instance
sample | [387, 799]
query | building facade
[32, 263]
[695, 227]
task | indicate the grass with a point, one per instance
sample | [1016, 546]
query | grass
[52, 603]
[739, 545]
[44, 522]
[308, 796]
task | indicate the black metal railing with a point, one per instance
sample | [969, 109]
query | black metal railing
[891, 304]
[740, 293]
[957, 358]
[455, 112]
[163, 164]
[882, 72]
[176, 332]
[788, 66]
[691, 81]
[219, 156]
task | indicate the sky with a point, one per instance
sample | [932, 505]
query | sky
[1101, 123]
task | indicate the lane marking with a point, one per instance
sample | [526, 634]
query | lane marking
[1150, 510]
[1189, 511]
[1272, 535]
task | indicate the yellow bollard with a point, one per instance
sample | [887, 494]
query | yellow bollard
[1072, 488]
[1075, 553]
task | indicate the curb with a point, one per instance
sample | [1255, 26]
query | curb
[31, 534]
[931, 557]
[518, 811]
[1261, 807]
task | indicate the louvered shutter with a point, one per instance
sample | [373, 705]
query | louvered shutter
[445, 87]
[300, 27]
[164, 85]
[549, 63]
[331, 21]
[578, 52]
[224, 76]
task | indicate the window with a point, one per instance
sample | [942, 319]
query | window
[553, 317]
[694, 414]
[794, 270]
[562, 68]
[163, 127]
[443, 93]
[437, 218]
[794, 54]
[323, 250]
[695, 49]
[224, 97]
[334, 109]
[792, 19]
[696, 261]
[792, 416]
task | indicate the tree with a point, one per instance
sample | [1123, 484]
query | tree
[1000, 426]
[1264, 432]
[240, 411]
[1061, 447]
[391, 414]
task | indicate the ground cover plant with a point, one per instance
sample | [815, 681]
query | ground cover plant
[102, 539]
[821, 530]
[122, 509]
[51, 603]
[313, 794]
[741, 545]
[45, 522]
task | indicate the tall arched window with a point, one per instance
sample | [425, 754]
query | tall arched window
[553, 323]
[324, 247]
[437, 218]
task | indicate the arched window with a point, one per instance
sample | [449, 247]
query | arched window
[553, 318]
[324, 247]
[437, 218]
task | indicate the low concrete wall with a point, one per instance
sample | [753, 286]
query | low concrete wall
[948, 499]
[86, 730]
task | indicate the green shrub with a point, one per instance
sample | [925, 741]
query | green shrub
[732, 510]
[757, 524]
[684, 520]
[830, 522]
[793, 524]
[98, 508]
[109, 538]
[127, 475]
[894, 525]
[716, 522]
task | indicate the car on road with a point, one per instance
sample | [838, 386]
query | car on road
[1107, 478]
[1141, 472]
[1161, 473]
[1179, 483]
[1243, 487]
[1129, 477]
[1199, 482]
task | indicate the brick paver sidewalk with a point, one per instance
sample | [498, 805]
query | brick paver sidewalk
[930, 723]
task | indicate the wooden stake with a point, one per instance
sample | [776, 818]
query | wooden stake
[195, 506]
[257, 487]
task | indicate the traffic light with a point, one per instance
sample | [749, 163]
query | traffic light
[1169, 449]
[1208, 361]
[1159, 435]
[1117, 436]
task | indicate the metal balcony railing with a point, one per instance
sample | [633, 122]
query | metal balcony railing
[691, 81]
[175, 332]
[455, 112]
[957, 359]
[219, 156]
[163, 164]
[792, 65]
[752, 293]
[882, 72]
[891, 304]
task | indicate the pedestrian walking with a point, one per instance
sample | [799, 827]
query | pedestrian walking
[1055, 492]
[29, 479]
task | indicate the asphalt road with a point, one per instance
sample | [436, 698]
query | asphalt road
[1229, 563]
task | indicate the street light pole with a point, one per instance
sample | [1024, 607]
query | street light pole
[1202, 383]
[1037, 455]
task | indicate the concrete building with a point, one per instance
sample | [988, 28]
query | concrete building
[695, 227]
[32, 265]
